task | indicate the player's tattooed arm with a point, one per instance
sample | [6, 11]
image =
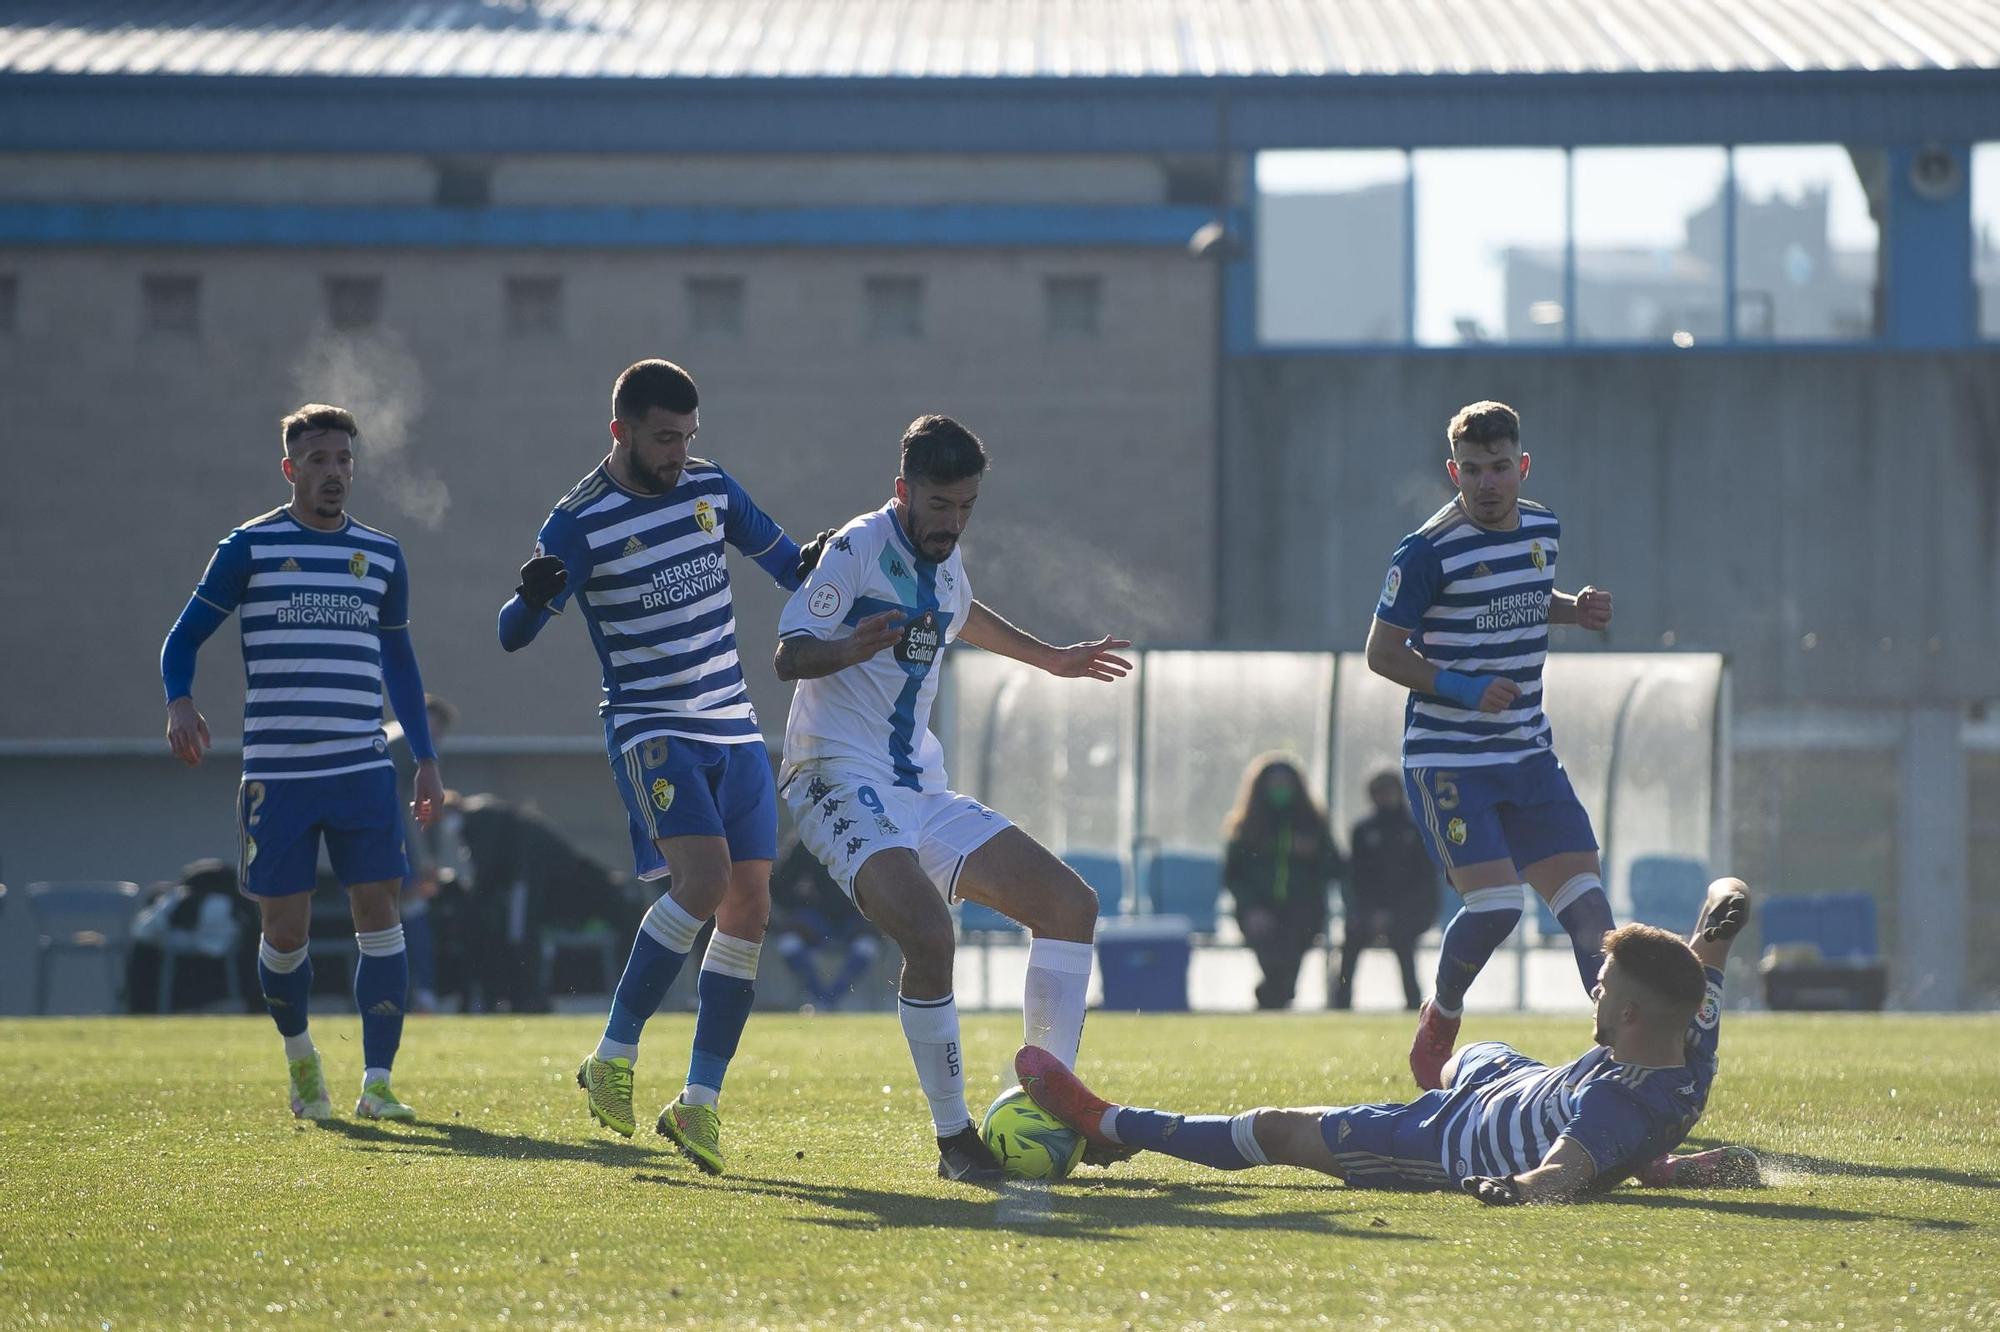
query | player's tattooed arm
[804, 657]
[984, 628]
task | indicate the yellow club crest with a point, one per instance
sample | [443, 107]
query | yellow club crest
[249, 851]
[704, 515]
[1456, 831]
[357, 564]
[663, 794]
[1536, 554]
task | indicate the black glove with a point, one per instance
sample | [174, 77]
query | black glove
[810, 552]
[1726, 919]
[542, 581]
[1493, 1190]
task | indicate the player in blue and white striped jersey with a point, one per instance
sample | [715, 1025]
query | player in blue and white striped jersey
[324, 606]
[1504, 1127]
[638, 544]
[1463, 624]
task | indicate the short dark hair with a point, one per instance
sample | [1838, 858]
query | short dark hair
[649, 384]
[1662, 962]
[939, 450]
[1484, 423]
[317, 416]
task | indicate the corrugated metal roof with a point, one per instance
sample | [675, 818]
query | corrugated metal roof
[708, 39]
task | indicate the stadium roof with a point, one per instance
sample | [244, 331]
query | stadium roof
[957, 76]
[943, 39]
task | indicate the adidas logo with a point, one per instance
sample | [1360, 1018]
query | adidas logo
[289, 566]
[633, 546]
[386, 1008]
[1345, 1129]
[1481, 571]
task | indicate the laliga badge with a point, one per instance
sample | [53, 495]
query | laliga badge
[1392, 585]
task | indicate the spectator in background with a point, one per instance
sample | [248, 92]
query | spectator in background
[1391, 893]
[1279, 860]
[811, 919]
[427, 849]
[210, 930]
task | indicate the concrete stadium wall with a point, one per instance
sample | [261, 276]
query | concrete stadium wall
[1830, 521]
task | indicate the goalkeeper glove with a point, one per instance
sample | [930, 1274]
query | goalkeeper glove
[1493, 1190]
[1726, 918]
[542, 581]
[810, 552]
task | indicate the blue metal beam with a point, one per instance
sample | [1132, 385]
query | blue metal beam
[292, 227]
[181, 113]
[1927, 260]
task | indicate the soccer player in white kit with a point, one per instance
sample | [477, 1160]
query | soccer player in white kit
[864, 777]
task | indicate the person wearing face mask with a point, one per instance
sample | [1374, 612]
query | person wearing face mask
[1279, 860]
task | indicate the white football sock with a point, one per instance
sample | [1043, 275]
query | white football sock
[931, 1028]
[1052, 1000]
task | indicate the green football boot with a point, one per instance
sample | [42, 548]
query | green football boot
[378, 1102]
[608, 1084]
[696, 1130]
[309, 1098]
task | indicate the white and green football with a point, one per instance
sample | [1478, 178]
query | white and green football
[1028, 1141]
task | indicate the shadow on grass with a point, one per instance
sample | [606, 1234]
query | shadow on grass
[1100, 1211]
[1751, 1203]
[432, 1137]
[1807, 1164]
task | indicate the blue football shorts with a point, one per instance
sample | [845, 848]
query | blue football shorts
[281, 821]
[673, 787]
[1524, 812]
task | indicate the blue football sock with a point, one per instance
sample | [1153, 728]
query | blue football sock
[1583, 910]
[727, 984]
[381, 991]
[286, 979]
[1481, 925]
[1210, 1140]
[658, 950]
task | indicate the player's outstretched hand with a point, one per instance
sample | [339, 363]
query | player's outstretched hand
[810, 552]
[1726, 911]
[429, 793]
[187, 731]
[1493, 1190]
[1499, 695]
[542, 581]
[873, 634]
[1099, 660]
[1593, 608]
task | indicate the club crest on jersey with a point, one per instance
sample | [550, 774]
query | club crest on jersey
[249, 851]
[1539, 556]
[920, 641]
[704, 515]
[1392, 585]
[357, 564]
[1455, 830]
[632, 546]
[663, 794]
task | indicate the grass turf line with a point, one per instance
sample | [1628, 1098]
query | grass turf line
[153, 1177]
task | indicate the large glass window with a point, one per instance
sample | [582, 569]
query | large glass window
[1986, 235]
[1490, 228]
[1806, 245]
[1331, 232]
[1650, 260]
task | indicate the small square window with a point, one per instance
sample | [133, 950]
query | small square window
[10, 302]
[534, 307]
[715, 307]
[1071, 308]
[895, 308]
[170, 304]
[353, 304]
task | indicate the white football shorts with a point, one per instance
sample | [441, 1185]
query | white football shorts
[844, 818]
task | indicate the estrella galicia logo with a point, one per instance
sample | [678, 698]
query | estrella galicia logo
[920, 641]
[885, 825]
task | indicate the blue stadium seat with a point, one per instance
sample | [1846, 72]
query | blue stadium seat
[1667, 891]
[1181, 883]
[1840, 925]
[1104, 873]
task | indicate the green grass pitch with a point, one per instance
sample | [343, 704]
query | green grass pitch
[153, 1178]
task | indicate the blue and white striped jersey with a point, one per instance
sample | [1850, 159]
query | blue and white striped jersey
[1623, 1115]
[874, 718]
[1475, 601]
[311, 606]
[650, 574]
